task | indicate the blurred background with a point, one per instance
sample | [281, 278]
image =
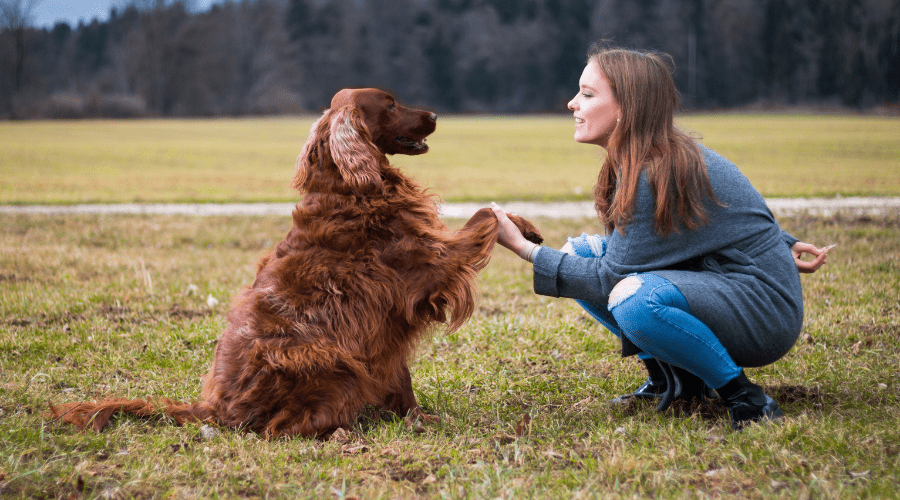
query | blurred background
[166, 58]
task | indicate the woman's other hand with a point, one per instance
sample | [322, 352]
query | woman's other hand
[820, 254]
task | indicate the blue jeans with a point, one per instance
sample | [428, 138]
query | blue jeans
[654, 315]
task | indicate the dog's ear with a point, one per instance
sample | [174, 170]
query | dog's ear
[352, 149]
[314, 151]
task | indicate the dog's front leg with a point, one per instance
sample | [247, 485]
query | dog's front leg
[403, 402]
[481, 230]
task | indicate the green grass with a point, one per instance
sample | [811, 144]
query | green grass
[501, 158]
[103, 305]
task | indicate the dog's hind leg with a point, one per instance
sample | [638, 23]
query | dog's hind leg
[317, 423]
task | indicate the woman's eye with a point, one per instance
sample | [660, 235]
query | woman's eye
[585, 94]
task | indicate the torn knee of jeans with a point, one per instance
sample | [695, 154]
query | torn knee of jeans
[624, 289]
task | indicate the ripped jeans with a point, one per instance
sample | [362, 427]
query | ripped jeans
[654, 315]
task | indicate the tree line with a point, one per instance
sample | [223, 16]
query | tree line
[158, 58]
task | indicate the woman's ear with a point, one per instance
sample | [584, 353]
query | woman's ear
[351, 146]
[314, 151]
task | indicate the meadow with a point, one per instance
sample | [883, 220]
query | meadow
[501, 158]
[132, 306]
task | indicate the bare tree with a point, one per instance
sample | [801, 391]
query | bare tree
[17, 16]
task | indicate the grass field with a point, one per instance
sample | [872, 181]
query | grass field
[501, 158]
[121, 305]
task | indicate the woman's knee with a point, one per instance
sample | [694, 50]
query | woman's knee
[624, 289]
[651, 292]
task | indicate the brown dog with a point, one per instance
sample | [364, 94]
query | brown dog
[329, 323]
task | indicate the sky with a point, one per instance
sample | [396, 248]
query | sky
[48, 12]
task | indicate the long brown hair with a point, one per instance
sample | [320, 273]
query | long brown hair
[646, 140]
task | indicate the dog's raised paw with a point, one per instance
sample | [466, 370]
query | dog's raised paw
[534, 237]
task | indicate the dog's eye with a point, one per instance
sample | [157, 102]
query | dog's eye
[392, 106]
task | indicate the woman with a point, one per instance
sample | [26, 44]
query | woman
[694, 273]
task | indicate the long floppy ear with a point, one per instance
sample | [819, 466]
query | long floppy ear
[355, 155]
[314, 151]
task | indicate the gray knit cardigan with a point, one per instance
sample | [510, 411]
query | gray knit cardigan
[737, 272]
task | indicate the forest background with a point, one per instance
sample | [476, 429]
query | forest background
[162, 58]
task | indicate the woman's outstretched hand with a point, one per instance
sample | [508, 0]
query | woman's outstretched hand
[821, 255]
[509, 235]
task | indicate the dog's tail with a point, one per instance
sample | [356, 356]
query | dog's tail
[97, 414]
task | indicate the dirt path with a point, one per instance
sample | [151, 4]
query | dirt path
[780, 207]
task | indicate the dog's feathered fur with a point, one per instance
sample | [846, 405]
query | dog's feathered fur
[329, 323]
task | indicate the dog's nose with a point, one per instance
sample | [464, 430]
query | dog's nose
[433, 117]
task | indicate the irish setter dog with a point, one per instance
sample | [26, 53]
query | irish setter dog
[336, 308]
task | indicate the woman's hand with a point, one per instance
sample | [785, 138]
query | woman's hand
[821, 255]
[509, 235]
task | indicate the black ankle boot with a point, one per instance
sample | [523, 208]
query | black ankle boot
[654, 387]
[682, 386]
[692, 387]
[746, 402]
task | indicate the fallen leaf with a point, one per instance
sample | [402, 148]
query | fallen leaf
[79, 484]
[583, 402]
[552, 454]
[857, 475]
[524, 425]
[353, 450]
[855, 347]
[341, 435]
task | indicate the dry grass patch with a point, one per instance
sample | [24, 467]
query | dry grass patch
[501, 158]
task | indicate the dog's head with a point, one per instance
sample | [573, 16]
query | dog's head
[357, 131]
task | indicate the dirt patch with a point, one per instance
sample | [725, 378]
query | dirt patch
[178, 312]
[789, 394]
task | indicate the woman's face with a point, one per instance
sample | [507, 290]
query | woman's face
[595, 109]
